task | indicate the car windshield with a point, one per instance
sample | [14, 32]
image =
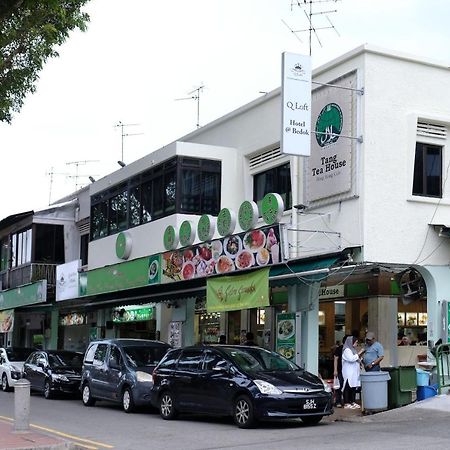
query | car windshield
[144, 355]
[65, 359]
[18, 354]
[259, 360]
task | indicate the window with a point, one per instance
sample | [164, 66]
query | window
[180, 184]
[278, 180]
[89, 358]
[428, 170]
[84, 248]
[190, 360]
[3, 255]
[115, 356]
[20, 248]
[100, 354]
[49, 244]
[211, 360]
[169, 361]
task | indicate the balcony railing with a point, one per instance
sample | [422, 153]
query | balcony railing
[28, 274]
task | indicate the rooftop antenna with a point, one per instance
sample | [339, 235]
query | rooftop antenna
[77, 175]
[195, 95]
[122, 125]
[309, 13]
[51, 173]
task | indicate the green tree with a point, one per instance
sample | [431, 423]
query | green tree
[29, 32]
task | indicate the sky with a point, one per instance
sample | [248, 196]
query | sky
[139, 56]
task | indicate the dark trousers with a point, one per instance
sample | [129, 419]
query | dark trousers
[349, 394]
[339, 398]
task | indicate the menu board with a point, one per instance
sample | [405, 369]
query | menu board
[285, 334]
[252, 249]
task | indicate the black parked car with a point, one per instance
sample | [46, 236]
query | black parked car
[248, 383]
[53, 371]
[120, 370]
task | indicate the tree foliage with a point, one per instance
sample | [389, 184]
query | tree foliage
[29, 32]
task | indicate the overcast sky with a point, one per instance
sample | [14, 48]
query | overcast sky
[138, 56]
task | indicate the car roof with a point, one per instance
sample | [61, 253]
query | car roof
[131, 342]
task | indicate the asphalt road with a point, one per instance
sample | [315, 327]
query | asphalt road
[107, 426]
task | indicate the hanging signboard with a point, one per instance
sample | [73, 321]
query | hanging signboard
[73, 319]
[296, 104]
[238, 292]
[6, 320]
[132, 315]
[253, 249]
[67, 280]
[175, 334]
[286, 335]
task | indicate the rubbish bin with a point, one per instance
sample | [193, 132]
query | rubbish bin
[423, 377]
[402, 388]
[374, 390]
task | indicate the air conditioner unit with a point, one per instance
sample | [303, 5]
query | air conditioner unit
[412, 285]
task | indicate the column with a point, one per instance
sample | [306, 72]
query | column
[54, 324]
[304, 299]
[382, 312]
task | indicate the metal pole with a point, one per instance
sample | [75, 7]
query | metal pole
[22, 405]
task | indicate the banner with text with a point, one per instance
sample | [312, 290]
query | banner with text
[239, 292]
[296, 104]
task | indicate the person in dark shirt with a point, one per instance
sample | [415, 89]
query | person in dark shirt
[337, 359]
[249, 338]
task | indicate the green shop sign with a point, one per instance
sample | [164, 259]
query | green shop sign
[187, 233]
[329, 124]
[132, 315]
[170, 238]
[248, 215]
[123, 245]
[239, 292]
[272, 208]
[205, 227]
[29, 294]
[226, 221]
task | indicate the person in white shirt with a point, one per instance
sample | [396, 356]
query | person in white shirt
[351, 371]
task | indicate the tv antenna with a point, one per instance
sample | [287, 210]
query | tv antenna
[51, 174]
[309, 13]
[194, 95]
[77, 175]
[122, 126]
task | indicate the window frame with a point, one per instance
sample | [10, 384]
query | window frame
[425, 147]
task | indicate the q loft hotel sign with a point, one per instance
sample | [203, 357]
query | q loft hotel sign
[296, 104]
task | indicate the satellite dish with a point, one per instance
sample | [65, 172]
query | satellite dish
[412, 285]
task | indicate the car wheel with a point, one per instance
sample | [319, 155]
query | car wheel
[86, 396]
[166, 406]
[5, 384]
[311, 420]
[47, 390]
[127, 401]
[243, 414]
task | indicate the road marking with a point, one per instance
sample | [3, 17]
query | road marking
[68, 436]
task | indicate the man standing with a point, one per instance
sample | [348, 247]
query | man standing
[374, 353]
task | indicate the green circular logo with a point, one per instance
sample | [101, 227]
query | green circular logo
[205, 228]
[272, 208]
[187, 233]
[226, 222]
[170, 238]
[329, 124]
[123, 245]
[248, 215]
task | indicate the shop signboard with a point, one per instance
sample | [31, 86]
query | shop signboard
[175, 334]
[120, 315]
[329, 168]
[286, 335]
[336, 291]
[250, 290]
[67, 285]
[248, 250]
[6, 320]
[74, 318]
[154, 269]
[29, 294]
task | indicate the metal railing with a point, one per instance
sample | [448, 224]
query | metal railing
[28, 274]
[443, 366]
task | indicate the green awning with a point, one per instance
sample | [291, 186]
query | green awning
[288, 274]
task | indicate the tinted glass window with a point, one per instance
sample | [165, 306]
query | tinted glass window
[190, 360]
[64, 359]
[169, 361]
[115, 356]
[18, 354]
[145, 355]
[100, 354]
[211, 360]
[427, 170]
[49, 244]
[89, 358]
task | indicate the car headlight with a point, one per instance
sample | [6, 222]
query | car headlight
[58, 377]
[267, 388]
[326, 386]
[143, 376]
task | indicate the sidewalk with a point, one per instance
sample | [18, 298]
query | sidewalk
[29, 440]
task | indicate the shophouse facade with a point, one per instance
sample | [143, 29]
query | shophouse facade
[363, 235]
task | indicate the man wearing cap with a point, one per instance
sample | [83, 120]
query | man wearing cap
[374, 353]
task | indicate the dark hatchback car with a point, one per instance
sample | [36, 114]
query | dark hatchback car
[54, 371]
[119, 370]
[248, 383]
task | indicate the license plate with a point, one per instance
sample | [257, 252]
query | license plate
[310, 404]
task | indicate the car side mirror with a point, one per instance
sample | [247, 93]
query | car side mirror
[221, 367]
[42, 363]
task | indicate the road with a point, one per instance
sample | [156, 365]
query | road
[107, 426]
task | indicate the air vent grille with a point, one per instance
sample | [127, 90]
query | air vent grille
[84, 228]
[431, 130]
[265, 157]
